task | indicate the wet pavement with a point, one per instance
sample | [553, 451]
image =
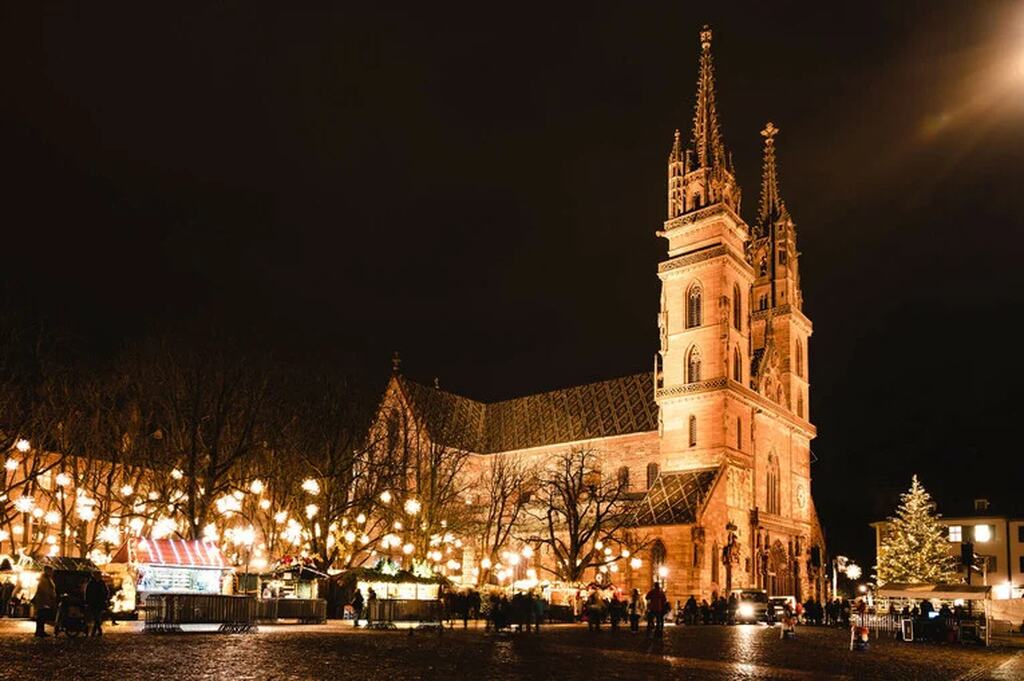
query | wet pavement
[336, 651]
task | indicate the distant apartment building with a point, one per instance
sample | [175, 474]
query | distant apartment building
[998, 543]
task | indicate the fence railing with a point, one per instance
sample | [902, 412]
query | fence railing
[307, 610]
[167, 612]
[396, 610]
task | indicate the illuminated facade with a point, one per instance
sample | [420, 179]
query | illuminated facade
[715, 446]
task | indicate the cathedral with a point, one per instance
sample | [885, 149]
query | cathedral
[713, 445]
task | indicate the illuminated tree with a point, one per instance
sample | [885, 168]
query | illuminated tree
[914, 548]
[503, 484]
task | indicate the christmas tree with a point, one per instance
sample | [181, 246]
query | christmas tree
[914, 548]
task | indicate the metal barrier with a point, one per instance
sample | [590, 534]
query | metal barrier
[167, 612]
[266, 610]
[382, 614]
[306, 610]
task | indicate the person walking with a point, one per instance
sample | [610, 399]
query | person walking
[45, 600]
[595, 611]
[539, 607]
[97, 599]
[357, 608]
[656, 606]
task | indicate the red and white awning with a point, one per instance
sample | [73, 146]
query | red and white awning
[174, 552]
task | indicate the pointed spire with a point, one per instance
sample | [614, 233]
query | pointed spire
[676, 155]
[707, 138]
[396, 363]
[772, 206]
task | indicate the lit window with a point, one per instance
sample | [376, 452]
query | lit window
[982, 533]
[693, 307]
[956, 533]
[693, 366]
[693, 430]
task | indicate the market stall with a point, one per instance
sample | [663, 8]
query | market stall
[397, 595]
[19, 577]
[967, 605]
[143, 567]
[291, 591]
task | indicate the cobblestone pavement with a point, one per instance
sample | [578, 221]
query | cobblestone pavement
[560, 652]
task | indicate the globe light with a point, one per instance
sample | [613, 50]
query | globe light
[18, 530]
[635, 563]
[385, 497]
[311, 486]
[599, 545]
[153, 496]
[663, 572]
[4, 535]
[513, 558]
[52, 518]
[361, 518]
[109, 535]
[11, 465]
[136, 524]
[23, 445]
[24, 504]
[280, 517]
[62, 479]
[264, 504]
[527, 552]
[613, 568]
[37, 512]
[311, 510]
[485, 563]
[350, 536]
[177, 474]
[127, 491]
[853, 571]
[412, 507]
[408, 549]
[86, 513]
[256, 486]
[625, 553]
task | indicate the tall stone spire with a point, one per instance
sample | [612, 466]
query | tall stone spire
[772, 207]
[707, 138]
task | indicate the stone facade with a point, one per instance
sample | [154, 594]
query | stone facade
[728, 396]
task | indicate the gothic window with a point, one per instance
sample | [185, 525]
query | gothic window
[693, 430]
[624, 478]
[782, 256]
[694, 298]
[739, 433]
[800, 406]
[737, 308]
[762, 303]
[762, 269]
[693, 366]
[799, 358]
[658, 558]
[772, 502]
[715, 558]
[737, 368]
[652, 474]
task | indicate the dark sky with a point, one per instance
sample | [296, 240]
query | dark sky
[479, 187]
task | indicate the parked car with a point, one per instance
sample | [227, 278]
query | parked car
[752, 605]
[778, 605]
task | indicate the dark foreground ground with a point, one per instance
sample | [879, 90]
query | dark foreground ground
[334, 651]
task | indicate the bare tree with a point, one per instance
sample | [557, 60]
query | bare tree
[575, 507]
[503, 483]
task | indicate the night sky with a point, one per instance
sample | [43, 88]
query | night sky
[479, 187]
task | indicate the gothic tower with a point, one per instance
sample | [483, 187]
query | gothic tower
[731, 372]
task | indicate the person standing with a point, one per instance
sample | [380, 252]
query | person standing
[635, 610]
[656, 606]
[45, 600]
[371, 603]
[357, 607]
[97, 598]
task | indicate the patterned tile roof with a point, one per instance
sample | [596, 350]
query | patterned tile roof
[675, 498]
[606, 408]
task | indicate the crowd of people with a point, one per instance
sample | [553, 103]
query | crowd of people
[90, 599]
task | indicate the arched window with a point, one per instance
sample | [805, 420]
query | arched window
[693, 365]
[762, 303]
[694, 298]
[737, 308]
[658, 558]
[799, 358]
[652, 474]
[762, 269]
[624, 478]
[715, 559]
[737, 368]
[693, 430]
[773, 493]
[800, 406]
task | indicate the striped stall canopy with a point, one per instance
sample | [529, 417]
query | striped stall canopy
[171, 552]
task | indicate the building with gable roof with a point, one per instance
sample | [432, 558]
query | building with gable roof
[714, 444]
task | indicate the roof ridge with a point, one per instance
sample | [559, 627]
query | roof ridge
[527, 395]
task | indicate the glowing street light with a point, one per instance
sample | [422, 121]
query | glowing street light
[412, 506]
[23, 445]
[385, 497]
